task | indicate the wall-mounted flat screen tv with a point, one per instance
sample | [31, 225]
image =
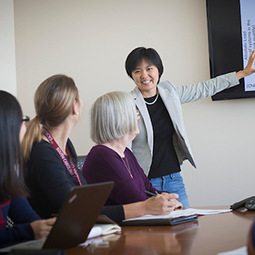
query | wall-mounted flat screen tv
[231, 36]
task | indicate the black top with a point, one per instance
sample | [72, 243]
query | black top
[164, 160]
[49, 181]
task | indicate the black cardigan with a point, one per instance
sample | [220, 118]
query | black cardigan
[49, 182]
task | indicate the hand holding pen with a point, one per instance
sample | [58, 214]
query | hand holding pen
[163, 203]
[151, 194]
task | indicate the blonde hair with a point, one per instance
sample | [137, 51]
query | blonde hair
[113, 116]
[53, 102]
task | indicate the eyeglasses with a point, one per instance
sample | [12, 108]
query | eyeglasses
[25, 118]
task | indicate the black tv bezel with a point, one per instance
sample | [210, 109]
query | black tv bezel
[225, 44]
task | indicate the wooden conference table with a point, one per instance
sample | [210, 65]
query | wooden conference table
[208, 235]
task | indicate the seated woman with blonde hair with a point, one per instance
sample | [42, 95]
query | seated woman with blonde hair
[51, 159]
[114, 124]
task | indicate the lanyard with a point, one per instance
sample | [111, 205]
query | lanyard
[70, 165]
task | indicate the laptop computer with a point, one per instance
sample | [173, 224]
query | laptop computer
[76, 218]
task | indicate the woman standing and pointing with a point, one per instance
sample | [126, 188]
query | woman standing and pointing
[162, 144]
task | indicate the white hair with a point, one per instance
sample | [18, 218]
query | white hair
[113, 116]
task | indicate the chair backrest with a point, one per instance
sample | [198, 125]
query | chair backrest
[80, 161]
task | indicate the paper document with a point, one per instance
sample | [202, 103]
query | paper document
[103, 229]
[180, 213]
[240, 251]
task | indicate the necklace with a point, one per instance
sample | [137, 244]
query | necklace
[153, 102]
[126, 164]
[124, 159]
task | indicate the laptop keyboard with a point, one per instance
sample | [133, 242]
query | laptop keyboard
[34, 244]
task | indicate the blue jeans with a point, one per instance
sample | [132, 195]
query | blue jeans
[172, 183]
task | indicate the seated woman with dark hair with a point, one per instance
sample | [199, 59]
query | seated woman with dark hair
[114, 124]
[27, 225]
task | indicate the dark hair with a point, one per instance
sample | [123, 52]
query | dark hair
[11, 178]
[137, 55]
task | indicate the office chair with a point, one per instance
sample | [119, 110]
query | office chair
[80, 161]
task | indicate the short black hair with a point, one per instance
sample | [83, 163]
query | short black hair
[138, 54]
[11, 179]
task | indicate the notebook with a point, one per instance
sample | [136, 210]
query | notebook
[159, 221]
[173, 218]
[76, 218]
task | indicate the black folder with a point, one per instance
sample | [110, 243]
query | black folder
[171, 221]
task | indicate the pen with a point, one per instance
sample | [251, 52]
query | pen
[150, 193]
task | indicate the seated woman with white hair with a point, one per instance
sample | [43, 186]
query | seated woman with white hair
[114, 124]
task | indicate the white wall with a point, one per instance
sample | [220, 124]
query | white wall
[7, 48]
[89, 41]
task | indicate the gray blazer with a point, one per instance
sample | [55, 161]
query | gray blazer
[173, 96]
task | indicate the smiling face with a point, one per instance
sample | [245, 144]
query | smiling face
[146, 76]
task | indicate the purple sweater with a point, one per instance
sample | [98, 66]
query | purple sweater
[104, 164]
